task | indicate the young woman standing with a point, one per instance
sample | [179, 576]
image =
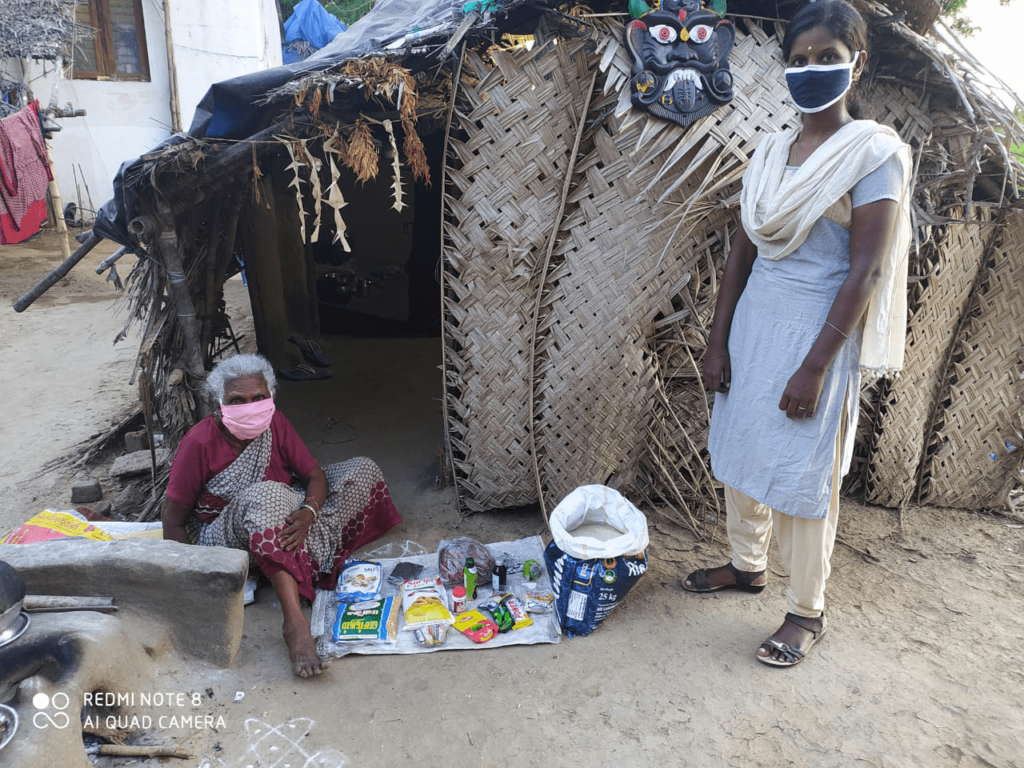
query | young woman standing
[814, 289]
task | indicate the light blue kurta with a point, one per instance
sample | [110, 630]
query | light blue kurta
[787, 463]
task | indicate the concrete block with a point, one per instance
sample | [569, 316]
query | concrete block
[85, 490]
[136, 441]
[137, 463]
[195, 591]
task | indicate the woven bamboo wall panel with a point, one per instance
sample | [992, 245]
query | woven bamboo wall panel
[985, 389]
[508, 162]
[622, 261]
[627, 296]
[906, 111]
[908, 408]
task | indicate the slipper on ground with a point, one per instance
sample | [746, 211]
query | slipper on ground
[311, 351]
[742, 580]
[303, 372]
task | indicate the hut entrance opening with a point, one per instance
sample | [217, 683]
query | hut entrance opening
[372, 311]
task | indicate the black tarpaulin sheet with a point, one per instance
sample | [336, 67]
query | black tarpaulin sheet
[228, 110]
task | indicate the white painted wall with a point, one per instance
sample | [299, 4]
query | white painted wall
[212, 42]
[227, 38]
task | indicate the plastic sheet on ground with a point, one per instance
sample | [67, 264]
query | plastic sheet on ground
[543, 630]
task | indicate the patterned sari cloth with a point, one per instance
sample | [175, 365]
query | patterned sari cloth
[241, 509]
[24, 176]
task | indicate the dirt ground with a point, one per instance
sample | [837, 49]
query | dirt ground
[923, 664]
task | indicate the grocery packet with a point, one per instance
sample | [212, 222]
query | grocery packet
[424, 601]
[371, 621]
[360, 580]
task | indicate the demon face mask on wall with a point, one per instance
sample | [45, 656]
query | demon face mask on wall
[680, 61]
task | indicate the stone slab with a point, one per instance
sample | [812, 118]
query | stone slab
[137, 463]
[195, 591]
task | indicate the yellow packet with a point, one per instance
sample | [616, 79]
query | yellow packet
[522, 618]
[424, 601]
[49, 525]
[477, 627]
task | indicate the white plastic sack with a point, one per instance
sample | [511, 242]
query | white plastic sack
[598, 505]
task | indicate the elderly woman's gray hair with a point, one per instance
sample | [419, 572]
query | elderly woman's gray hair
[239, 367]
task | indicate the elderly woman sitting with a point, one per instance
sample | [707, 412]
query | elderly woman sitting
[243, 478]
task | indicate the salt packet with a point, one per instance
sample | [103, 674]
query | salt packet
[360, 581]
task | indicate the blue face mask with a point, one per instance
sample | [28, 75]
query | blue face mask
[817, 87]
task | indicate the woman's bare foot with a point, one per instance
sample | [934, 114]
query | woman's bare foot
[301, 649]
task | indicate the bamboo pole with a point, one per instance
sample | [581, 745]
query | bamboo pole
[542, 276]
[213, 242]
[172, 71]
[48, 282]
[147, 412]
[58, 205]
[108, 262]
[445, 396]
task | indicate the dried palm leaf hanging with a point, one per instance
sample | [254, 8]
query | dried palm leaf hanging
[361, 157]
[334, 143]
[295, 152]
[396, 170]
[382, 80]
[334, 146]
[314, 164]
[415, 154]
[257, 174]
[389, 83]
[315, 102]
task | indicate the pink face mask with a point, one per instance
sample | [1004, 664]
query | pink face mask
[248, 420]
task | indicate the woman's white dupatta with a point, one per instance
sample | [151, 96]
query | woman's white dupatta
[778, 211]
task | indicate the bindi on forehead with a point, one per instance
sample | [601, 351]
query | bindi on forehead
[818, 39]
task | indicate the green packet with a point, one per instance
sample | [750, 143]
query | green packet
[368, 621]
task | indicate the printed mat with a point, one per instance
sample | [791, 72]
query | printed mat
[544, 629]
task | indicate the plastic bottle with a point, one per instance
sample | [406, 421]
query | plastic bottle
[469, 577]
[458, 600]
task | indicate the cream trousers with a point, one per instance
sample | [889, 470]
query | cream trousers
[805, 544]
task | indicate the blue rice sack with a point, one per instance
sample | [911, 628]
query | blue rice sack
[586, 591]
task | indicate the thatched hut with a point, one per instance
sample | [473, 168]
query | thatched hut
[579, 242]
[37, 29]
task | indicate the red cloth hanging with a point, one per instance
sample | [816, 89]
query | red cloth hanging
[24, 175]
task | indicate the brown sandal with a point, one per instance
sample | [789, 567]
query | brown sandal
[742, 580]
